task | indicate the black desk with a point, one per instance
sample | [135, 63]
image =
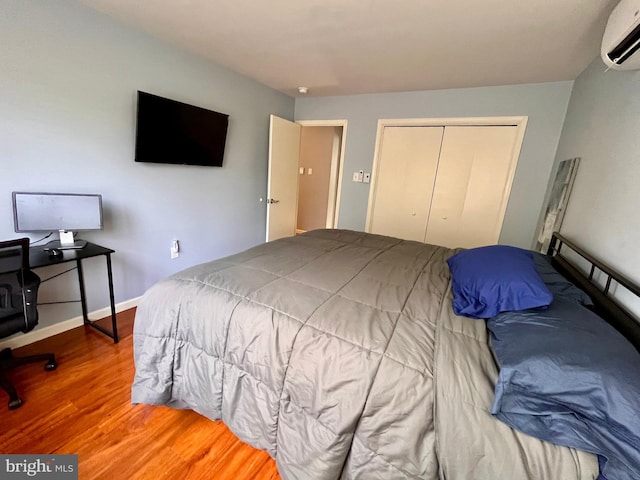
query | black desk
[38, 257]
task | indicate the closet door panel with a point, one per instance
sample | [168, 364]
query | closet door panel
[406, 171]
[472, 186]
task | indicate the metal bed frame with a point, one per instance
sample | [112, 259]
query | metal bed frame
[605, 305]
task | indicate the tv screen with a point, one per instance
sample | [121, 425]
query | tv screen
[169, 131]
[47, 212]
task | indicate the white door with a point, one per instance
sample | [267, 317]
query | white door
[403, 181]
[282, 183]
[472, 187]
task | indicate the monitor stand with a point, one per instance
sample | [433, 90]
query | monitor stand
[67, 242]
[76, 245]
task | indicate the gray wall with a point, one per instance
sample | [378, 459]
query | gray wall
[544, 104]
[603, 128]
[68, 86]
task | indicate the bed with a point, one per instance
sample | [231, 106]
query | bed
[338, 353]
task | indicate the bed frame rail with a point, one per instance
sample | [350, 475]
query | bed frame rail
[604, 304]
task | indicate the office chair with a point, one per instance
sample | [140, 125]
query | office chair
[18, 309]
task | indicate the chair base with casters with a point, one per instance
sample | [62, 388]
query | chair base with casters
[9, 362]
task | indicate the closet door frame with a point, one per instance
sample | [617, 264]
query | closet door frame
[520, 122]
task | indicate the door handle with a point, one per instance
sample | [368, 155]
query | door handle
[271, 200]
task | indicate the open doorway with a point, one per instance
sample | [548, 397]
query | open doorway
[318, 176]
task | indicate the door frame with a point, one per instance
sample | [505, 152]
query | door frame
[518, 121]
[337, 169]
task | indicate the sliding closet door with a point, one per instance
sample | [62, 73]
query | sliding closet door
[472, 187]
[404, 178]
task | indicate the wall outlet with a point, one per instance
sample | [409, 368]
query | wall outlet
[175, 249]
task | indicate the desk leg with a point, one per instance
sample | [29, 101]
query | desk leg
[83, 297]
[112, 300]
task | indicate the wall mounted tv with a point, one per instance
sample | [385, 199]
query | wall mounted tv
[169, 131]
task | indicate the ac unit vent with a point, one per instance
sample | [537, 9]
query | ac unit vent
[627, 47]
[621, 39]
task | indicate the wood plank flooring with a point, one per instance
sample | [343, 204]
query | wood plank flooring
[84, 407]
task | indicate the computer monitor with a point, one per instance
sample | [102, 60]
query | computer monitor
[64, 212]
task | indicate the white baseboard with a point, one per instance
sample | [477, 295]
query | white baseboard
[106, 311]
[21, 339]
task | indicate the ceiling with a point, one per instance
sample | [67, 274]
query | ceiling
[343, 47]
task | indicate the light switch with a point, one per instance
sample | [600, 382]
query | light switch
[366, 178]
[309, 171]
[355, 176]
[301, 170]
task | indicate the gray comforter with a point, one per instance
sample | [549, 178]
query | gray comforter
[339, 354]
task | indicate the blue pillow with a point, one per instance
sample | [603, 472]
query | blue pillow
[490, 280]
[568, 377]
[556, 283]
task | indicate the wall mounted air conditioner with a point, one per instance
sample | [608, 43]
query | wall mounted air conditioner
[621, 39]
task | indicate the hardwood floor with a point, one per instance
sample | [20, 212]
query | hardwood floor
[84, 407]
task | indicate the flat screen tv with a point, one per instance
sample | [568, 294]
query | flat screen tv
[169, 131]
